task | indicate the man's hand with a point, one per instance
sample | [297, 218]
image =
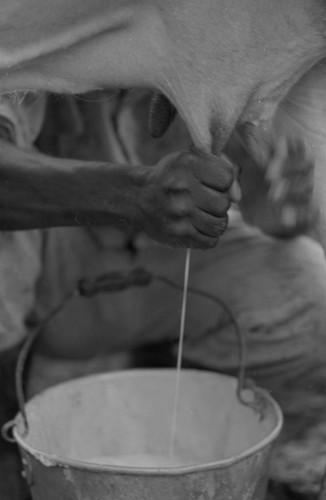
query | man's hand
[186, 199]
[182, 201]
[276, 183]
[290, 177]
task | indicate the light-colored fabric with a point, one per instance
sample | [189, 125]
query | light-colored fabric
[276, 290]
[20, 252]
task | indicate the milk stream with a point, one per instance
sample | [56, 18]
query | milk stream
[179, 359]
[152, 460]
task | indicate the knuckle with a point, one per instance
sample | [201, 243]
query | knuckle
[175, 182]
[179, 208]
[185, 159]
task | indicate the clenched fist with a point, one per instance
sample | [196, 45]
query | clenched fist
[186, 198]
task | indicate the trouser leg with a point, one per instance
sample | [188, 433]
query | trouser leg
[12, 484]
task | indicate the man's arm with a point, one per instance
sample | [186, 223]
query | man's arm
[182, 201]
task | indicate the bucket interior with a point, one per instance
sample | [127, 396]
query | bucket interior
[125, 418]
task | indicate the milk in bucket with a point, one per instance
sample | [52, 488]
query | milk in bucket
[221, 447]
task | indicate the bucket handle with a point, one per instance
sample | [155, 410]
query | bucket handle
[243, 383]
[25, 350]
[6, 431]
[109, 283]
[86, 287]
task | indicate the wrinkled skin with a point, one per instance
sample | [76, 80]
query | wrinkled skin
[221, 63]
[182, 201]
[183, 205]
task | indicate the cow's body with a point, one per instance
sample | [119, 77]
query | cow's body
[220, 62]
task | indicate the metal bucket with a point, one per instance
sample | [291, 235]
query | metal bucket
[107, 437]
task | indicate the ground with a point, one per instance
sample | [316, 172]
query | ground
[299, 458]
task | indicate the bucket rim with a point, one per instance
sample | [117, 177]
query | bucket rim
[56, 461]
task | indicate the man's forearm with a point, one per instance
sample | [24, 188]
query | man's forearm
[181, 202]
[39, 191]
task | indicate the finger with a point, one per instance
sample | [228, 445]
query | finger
[212, 171]
[292, 192]
[216, 206]
[299, 167]
[212, 202]
[298, 218]
[187, 236]
[208, 225]
[299, 194]
[277, 159]
[277, 190]
[297, 161]
[205, 218]
[202, 242]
